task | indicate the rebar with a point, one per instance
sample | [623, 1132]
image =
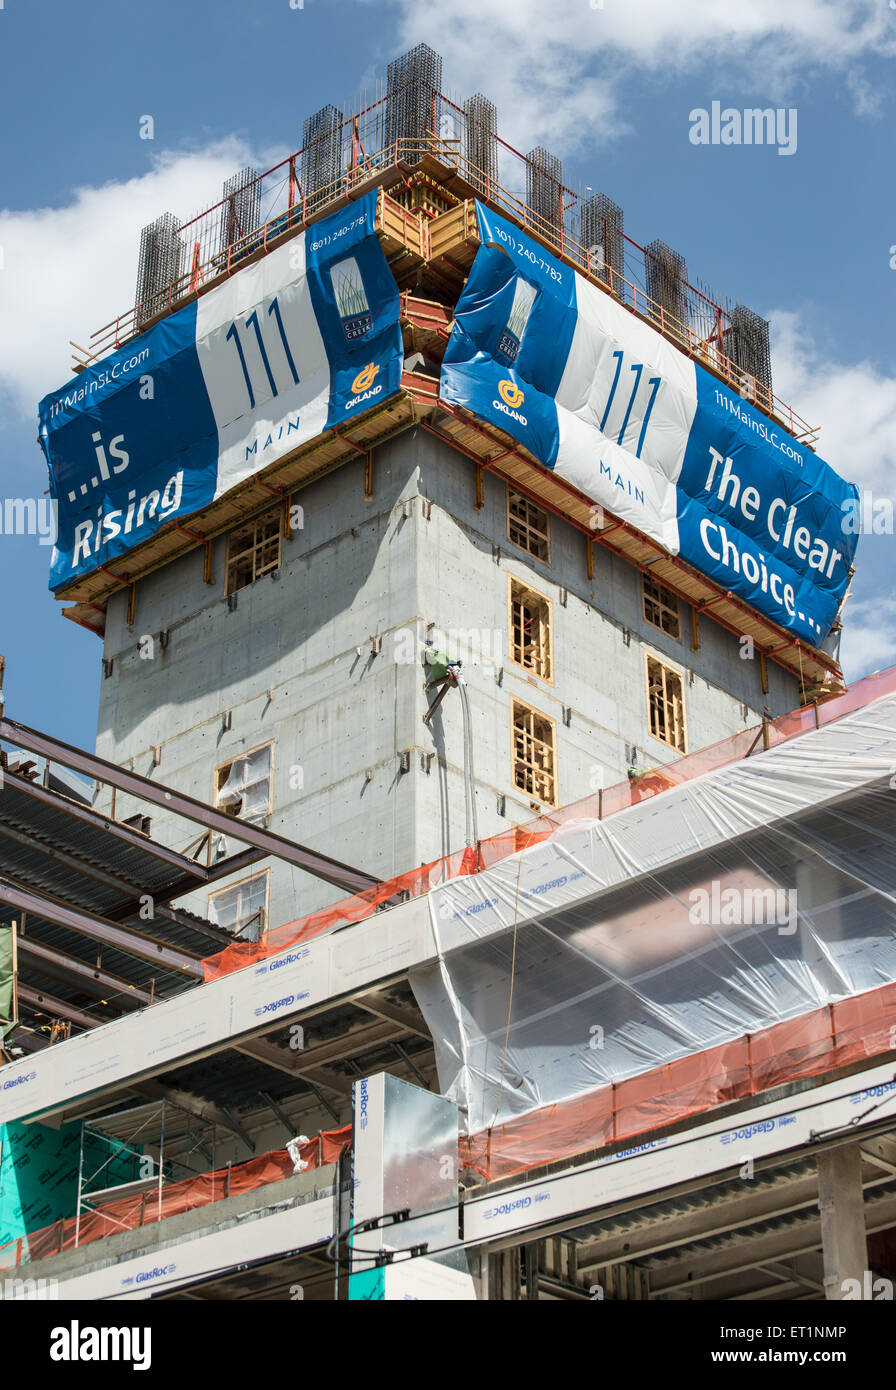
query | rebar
[666, 274]
[544, 191]
[321, 154]
[414, 82]
[158, 266]
[481, 142]
[601, 226]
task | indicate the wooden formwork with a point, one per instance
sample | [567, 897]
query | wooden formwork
[430, 253]
[282, 479]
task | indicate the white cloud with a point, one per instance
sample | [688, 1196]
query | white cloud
[869, 636]
[556, 72]
[854, 403]
[855, 406]
[69, 270]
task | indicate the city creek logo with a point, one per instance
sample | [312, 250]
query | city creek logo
[365, 378]
[510, 394]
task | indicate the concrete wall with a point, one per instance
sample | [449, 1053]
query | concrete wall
[292, 661]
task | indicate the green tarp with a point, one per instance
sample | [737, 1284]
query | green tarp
[6, 980]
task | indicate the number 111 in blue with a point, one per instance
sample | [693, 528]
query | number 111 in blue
[253, 323]
[654, 381]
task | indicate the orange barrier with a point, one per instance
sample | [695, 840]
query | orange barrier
[838, 1035]
[598, 806]
[149, 1207]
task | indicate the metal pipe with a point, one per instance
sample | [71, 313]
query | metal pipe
[469, 780]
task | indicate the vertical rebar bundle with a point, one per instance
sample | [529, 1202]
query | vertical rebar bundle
[242, 208]
[158, 267]
[747, 344]
[544, 191]
[481, 142]
[666, 276]
[322, 152]
[414, 83]
[601, 225]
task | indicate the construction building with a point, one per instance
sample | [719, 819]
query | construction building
[445, 660]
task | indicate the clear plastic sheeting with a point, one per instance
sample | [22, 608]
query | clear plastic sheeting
[246, 791]
[751, 896]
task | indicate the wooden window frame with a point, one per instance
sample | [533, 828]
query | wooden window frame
[664, 607]
[682, 724]
[229, 887]
[527, 527]
[515, 707]
[218, 782]
[543, 668]
[251, 552]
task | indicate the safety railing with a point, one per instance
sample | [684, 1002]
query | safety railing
[209, 252]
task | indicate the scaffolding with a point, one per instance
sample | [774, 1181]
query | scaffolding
[410, 124]
[91, 1199]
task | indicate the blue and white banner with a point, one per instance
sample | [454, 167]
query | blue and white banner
[306, 338]
[608, 404]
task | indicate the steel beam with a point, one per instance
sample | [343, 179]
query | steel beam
[129, 891]
[185, 867]
[275, 1057]
[57, 1008]
[394, 1013]
[745, 1252]
[721, 1214]
[321, 865]
[275, 1109]
[144, 948]
[194, 1105]
[54, 964]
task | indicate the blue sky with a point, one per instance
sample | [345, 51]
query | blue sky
[804, 239]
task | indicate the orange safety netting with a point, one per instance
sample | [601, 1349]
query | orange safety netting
[148, 1207]
[838, 1035]
[598, 806]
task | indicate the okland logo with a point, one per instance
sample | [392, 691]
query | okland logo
[733, 907]
[753, 126]
[363, 386]
[511, 397]
[77, 1343]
